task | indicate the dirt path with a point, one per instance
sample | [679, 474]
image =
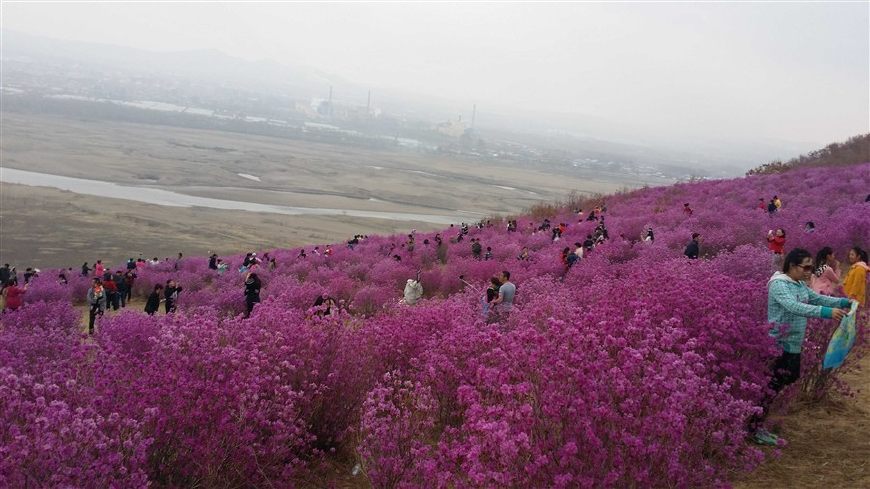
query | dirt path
[136, 304]
[828, 443]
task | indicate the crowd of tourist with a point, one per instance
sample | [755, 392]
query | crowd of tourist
[803, 285]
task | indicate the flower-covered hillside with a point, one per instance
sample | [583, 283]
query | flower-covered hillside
[632, 366]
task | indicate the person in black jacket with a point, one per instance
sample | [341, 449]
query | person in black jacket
[129, 279]
[476, 248]
[694, 247]
[153, 303]
[121, 285]
[29, 273]
[589, 243]
[5, 274]
[171, 296]
[252, 292]
[212, 261]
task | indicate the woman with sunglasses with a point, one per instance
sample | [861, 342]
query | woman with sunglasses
[789, 303]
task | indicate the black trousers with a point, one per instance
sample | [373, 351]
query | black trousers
[786, 370]
[114, 301]
[249, 307]
[92, 316]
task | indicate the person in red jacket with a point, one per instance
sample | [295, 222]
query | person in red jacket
[14, 295]
[776, 241]
[113, 297]
[776, 244]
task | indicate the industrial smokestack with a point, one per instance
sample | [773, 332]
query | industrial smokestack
[473, 115]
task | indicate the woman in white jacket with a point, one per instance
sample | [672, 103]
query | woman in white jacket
[413, 291]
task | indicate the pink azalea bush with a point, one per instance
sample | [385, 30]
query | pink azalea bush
[635, 367]
[52, 434]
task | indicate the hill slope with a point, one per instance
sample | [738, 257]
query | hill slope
[835, 154]
[635, 367]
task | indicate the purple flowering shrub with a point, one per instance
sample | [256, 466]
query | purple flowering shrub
[46, 288]
[51, 433]
[398, 419]
[514, 404]
[815, 383]
[635, 367]
[49, 442]
[224, 412]
[39, 335]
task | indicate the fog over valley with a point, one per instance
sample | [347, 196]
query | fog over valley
[348, 111]
[724, 83]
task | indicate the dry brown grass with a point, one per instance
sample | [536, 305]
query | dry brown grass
[828, 443]
[44, 227]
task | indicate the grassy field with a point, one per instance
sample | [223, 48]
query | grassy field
[48, 227]
[45, 227]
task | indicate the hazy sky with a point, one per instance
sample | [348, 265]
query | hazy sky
[795, 72]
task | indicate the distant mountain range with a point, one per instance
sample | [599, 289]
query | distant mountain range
[204, 64]
[574, 131]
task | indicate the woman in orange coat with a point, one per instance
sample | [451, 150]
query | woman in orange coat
[855, 284]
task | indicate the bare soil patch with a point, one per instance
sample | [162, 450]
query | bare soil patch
[828, 443]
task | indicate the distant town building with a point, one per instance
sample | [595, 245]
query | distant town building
[454, 129]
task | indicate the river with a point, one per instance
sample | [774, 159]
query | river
[157, 196]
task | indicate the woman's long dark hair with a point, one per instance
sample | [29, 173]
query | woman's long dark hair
[861, 253]
[822, 259]
[795, 257]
